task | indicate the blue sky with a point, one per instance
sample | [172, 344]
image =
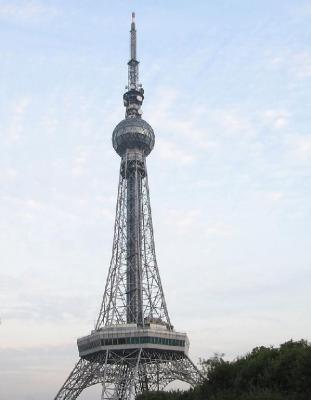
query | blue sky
[227, 91]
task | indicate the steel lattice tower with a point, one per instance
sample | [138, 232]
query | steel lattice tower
[134, 347]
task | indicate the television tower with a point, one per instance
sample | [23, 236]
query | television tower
[134, 347]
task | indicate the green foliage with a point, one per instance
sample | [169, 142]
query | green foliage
[266, 373]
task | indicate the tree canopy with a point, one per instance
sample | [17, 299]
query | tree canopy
[266, 373]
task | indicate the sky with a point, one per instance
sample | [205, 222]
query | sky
[227, 91]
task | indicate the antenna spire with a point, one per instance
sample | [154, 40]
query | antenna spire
[133, 38]
[134, 96]
[133, 82]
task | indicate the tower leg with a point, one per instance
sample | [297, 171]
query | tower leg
[158, 370]
[124, 383]
[86, 373]
[124, 376]
[81, 377]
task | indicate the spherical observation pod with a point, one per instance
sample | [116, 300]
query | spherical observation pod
[133, 133]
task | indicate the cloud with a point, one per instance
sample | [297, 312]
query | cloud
[177, 131]
[302, 64]
[107, 213]
[168, 150]
[26, 10]
[277, 118]
[80, 162]
[34, 204]
[38, 303]
[219, 229]
[8, 174]
[40, 306]
[35, 372]
[183, 220]
[275, 196]
[17, 113]
[301, 147]
[231, 120]
[192, 220]
[297, 63]
[26, 359]
[302, 11]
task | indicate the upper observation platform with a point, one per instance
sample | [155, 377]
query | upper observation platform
[127, 337]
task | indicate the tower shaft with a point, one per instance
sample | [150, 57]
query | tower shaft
[133, 292]
[133, 174]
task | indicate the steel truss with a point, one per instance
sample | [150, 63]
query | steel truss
[124, 376]
[133, 285]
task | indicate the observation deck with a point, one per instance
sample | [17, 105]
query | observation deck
[127, 337]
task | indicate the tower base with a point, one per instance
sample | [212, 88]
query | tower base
[124, 376]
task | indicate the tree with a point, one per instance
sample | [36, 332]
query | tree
[266, 373]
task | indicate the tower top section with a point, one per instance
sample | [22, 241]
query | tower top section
[133, 132]
[134, 96]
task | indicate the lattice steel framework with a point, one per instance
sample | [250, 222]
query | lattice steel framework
[133, 294]
[123, 376]
[134, 347]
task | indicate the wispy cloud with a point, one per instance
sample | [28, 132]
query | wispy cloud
[297, 63]
[80, 162]
[302, 64]
[17, 115]
[232, 120]
[277, 118]
[219, 229]
[26, 10]
[301, 147]
[42, 367]
[183, 220]
[8, 174]
[169, 150]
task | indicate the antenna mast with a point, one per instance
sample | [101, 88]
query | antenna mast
[134, 96]
[133, 77]
[133, 38]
